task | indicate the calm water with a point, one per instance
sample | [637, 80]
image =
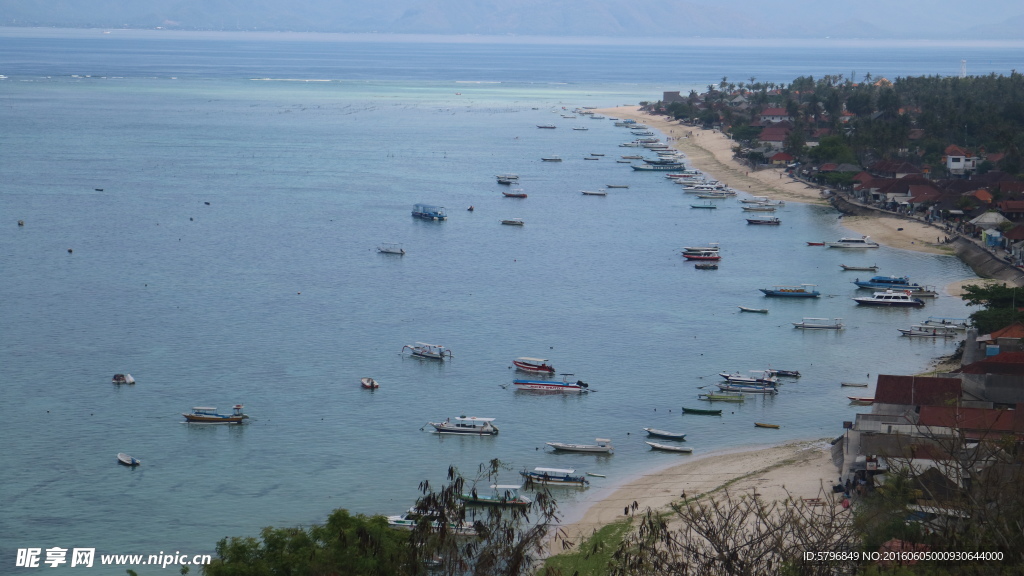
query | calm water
[229, 257]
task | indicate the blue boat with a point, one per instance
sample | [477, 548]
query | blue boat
[801, 291]
[888, 283]
[429, 212]
[565, 386]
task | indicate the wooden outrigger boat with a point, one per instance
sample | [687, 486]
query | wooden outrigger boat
[603, 446]
[701, 411]
[556, 476]
[859, 268]
[593, 193]
[513, 222]
[854, 384]
[514, 194]
[757, 310]
[411, 519]
[539, 365]
[565, 386]
[667, 448]
[654, 432]
[431, 351]
[763, 425]
[207, 415]
[722, 397]
[501, 495]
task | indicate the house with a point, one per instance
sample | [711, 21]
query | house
[1012, 209]
[959, 161]
[782, 158]
[774, 135]
[672, 97]
[890, 169]
[775, 115]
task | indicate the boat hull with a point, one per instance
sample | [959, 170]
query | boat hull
[585, 448]
[197, 419]
[667, 448]
[654, 433]
[541, 386]
[126, 460]
[701, 411]
[784, 294]
[556, 479]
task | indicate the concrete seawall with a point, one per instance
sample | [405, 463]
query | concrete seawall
[983, 262]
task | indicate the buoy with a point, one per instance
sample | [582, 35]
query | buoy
[69, 250]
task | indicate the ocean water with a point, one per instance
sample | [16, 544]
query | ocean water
[222, 202]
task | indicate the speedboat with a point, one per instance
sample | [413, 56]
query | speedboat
[801, 291]
[557, 476]
[862, 242]
[467, 426]
[888, 283]
[890, 298]
[431, 351]
[539, 365]
[930, 331]
[209, 415]
[603, 446]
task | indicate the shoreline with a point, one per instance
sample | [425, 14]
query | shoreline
[797, 469]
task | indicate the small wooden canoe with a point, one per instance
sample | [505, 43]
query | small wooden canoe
[758, 310]
[815, 243]
[368, 383]
[854, 384]
[861, 400]
[764, 425]
[127, 460]
[665, 434]
[705, 412]
[667, 448]
[596, 475]
[859, 268]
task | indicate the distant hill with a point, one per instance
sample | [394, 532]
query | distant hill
[907, 19]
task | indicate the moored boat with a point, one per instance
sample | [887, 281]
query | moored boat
[757, 310]
[368, 383]
[706, 266]
[890, 298]
[127, 460]
[556, 476]
[861, 400]
[721, 397]
[704, 206]
[391, 248]
[565, 386]
[748, 388]
[862, 242]
[539, 365]
[551, 159]
[513, 222]
[872, 268]
[819, 324]
[546, 126]
[209, 415]
[411, 519]
[656, 167]
[954, 323]
[707, 255]
[888, 283]
[764, 221]
[122, 379]
[466, 426]
[764, 425]
[593, 193]
[430, 351]
[514, 194]
[926, 331]
[603, 446]
[757, 377]
[702, 411]
[429, 212]
[654, 432]
[499, 495]
[667, 448]
[801, 291]
[784, 373]
[815, 243]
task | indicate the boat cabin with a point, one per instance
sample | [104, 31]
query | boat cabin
[429, 212]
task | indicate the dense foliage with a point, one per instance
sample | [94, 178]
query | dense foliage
[1001, 306]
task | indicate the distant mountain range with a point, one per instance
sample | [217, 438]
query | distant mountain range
[648, 19]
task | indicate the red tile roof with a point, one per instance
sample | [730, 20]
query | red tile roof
[1011, 363]
[974, 419]
[954, 150]
[774, 112]
[917, 390]
[782, 156]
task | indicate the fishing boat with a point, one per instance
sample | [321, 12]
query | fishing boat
[721, 397]
[500, 495]
[368, 383]
[667, 448]
[924, 291]
[819, 324]
[759, 208]
[466, 426]
[861, 400]
[513, 222]
[539, 365]
[391, 248]
[122, 379]
[603, 446]
[755, 200]
[127, 460]
[801, 291]
[702, 411]
[711, 247]
[556, 476]
[704, 206]
[565, 386]
[706, 266]
[590, 158]
[580, 128]
[862, 242]
[888, 283]
[208, 415]
[430, 351]
[748, 388]
[859, 268]
[655, 167]
[411, 519]
[890, 298]
[854, 384]
[551, 159]
[654, 432]
[546, 126]
[815, 243]
[616, 186]
[593, 193]
[757, 377]
[506, 182]
[784, 373]
[707, 255]
[514, 194]
[764, 221]
[925, 331]
[757, 310]
[429, 212]
[954, 323]
[764, 425]
[507, 176]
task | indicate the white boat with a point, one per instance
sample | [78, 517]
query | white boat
[431, 351]
[566, 386]
[819, 324]
[556, 476]
[466, 426]
[757, 310]
[127, 460]
[862, 242]
[930, 331]
[369, 383]
[411, 519]
[539, 365]
[499, 495]
[757, 377]
[508, 176]
[580, 128]
[667, 448]
[748, 388]
[603, 446]
[513, 222]
[890, 298]
[391, 248]
[954, 323]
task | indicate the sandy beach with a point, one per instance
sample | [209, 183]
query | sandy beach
[798, 470]
[711, 152]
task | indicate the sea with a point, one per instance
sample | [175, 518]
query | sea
[204, 213]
